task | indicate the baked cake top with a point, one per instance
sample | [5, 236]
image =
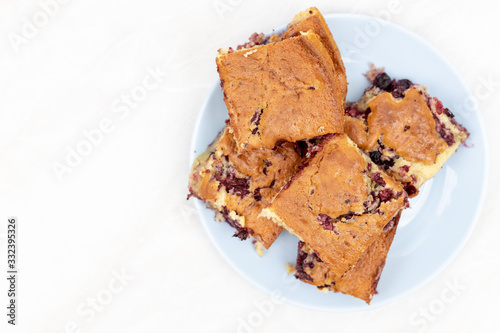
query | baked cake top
[404, 130]
[281, 91]
[338, 203]
[406, 124]
[311, 19]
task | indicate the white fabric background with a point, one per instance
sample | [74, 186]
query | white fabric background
[123, 208]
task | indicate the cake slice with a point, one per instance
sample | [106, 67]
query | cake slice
[238, 186]
[362, 280]
[282, 91]
[338, 203]
[405, 131]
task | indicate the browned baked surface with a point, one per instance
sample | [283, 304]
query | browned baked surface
[338, 204]
[311, 19]
[407, 125]
[238, 186]
[362, 280]
[281, 91]
[403, 129]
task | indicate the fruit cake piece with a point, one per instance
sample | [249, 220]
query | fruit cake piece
[338, 203]
[281, 91]
[362, 280]
[404, 130]
[237, 187]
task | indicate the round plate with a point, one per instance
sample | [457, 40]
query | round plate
[442, 216]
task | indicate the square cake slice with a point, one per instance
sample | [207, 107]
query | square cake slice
[283, 91]
[338, 203]
[238, 186]
[405, 131]
[362, 280]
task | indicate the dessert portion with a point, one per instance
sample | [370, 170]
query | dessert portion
[238, 186]
[282, 91]
[284, 161]
[405, 131]
[338, 203]
[362, 280]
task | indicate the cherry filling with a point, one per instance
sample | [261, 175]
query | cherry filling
[327, 223]
[308, 148]
[404, 168]
[389, 225]
[386, 195]
[383, 81]
[410, 189]
[383, 161]
[255, 120]
[372, 206]
[444, 131]
[241, 233]
[256, 193]
[253, 40]
[351, 109]
[399, 87]
[460, 127]
[234, 185]
[301, 148]
[304, 260]
[267, 164]
[378, 179]
[396, 87]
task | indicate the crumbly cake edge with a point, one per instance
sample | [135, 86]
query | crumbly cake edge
[270, 214]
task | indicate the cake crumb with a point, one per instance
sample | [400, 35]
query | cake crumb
[289, 268]
[259, 248]
[323, 290]
[374, 71]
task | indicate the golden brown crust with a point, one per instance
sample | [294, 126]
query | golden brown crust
[311, 19]
[267, 172]
[338, 183]
[405, 130]
[281, 91]
[407, 125]
[362, 280]
[357, 131]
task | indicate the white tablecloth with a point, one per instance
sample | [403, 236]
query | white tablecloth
[107, 242]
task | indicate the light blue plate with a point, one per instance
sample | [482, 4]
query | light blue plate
[441, 218]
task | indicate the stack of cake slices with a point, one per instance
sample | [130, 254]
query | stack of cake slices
[294, 155]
